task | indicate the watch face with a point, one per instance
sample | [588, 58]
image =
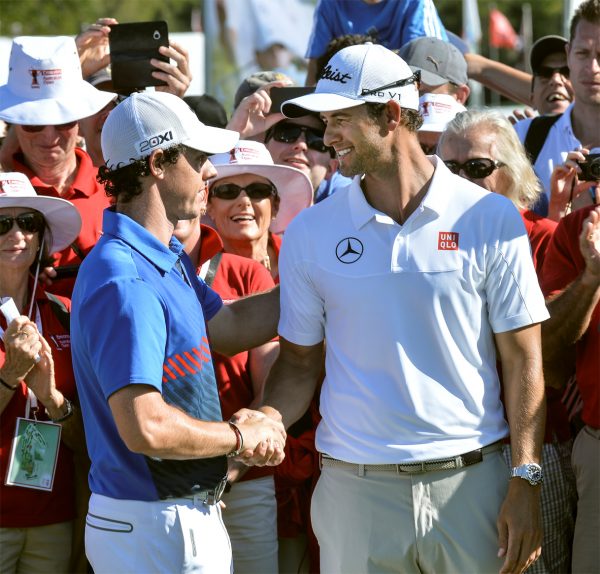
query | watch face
[534, 474]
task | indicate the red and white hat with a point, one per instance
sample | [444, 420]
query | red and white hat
[45, 86]
[356, 75]
[294, 188]
[437, 111]
[62, 218]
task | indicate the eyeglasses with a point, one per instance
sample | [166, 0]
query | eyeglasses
[255, 191]
[60, 128]
[547, 72]
[414, 79]
[476, 168]
[30, 222]
[290, 133]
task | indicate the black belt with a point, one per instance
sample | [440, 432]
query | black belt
[460, 461]
[210, 497]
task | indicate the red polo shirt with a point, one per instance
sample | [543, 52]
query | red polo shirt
[89, 198]
[563, 264]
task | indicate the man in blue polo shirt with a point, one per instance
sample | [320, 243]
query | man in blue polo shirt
[142, 358]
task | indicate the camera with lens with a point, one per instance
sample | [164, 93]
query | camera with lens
[590, 169]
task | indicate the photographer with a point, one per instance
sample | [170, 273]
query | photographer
[579, 125]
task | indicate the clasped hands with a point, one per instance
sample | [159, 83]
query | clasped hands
[264, 437]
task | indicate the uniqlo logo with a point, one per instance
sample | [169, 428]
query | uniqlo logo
[447, 241]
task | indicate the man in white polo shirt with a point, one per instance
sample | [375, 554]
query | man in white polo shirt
[413, 276]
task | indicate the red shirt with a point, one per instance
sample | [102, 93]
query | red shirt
[89, 198]
[235, 277]
[564, 263]
[540, 230]
[25, 507]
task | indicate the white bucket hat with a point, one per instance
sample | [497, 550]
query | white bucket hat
[148, 121]
[437, 111]
[356, 75]
[62, 218]
[294, 188]
[45, 86]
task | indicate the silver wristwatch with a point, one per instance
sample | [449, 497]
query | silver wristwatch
[531, 472]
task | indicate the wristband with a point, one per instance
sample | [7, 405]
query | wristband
[239, 442]
[66, 415]
[5, 384]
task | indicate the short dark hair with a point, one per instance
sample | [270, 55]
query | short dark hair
[588, 11]
[124, 183]
[411, 119]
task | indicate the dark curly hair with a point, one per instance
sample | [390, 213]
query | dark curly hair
[411, 119]
[124, 184]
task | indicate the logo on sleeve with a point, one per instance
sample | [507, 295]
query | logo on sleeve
[447, 241]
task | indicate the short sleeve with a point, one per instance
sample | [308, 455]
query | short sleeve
[513, 293]
[302, 319]
[130, 346]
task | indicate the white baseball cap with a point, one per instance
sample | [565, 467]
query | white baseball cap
[45, 86]
[356, 75]
[148, 121]
[293, 187]
[437, 111]
[62, 218]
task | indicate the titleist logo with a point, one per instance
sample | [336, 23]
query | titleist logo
[334, 75]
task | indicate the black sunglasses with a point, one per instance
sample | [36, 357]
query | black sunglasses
[476, 168]
[254, 191]
[30, 222]
[547, 71]
[60, 128]
[289, 133]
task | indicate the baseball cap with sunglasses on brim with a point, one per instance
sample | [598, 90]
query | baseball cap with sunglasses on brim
[357, 75]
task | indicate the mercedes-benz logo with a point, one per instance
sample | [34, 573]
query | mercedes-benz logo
[349, 250]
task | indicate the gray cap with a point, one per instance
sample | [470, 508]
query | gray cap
[255, 81]
[440, 62]
[543, 47]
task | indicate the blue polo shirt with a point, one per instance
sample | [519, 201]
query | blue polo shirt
[137, 320]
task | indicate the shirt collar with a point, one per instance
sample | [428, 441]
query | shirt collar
[81, 184]
[137, 237]
[435, 201]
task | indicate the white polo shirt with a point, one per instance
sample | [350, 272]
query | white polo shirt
[559, 142]
[408, 313]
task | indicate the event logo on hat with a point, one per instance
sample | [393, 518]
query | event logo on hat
[357, 75]
[45, 86]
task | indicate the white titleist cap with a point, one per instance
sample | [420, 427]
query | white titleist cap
[148, 121]
[356, 75]
[437, 111]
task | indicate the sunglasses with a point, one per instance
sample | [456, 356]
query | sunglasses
[60, 128]
[290, 133]
[476, 168]
[30, 222]
[255, 191]
[547, 72]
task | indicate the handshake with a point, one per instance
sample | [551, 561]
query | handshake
[261, 438]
